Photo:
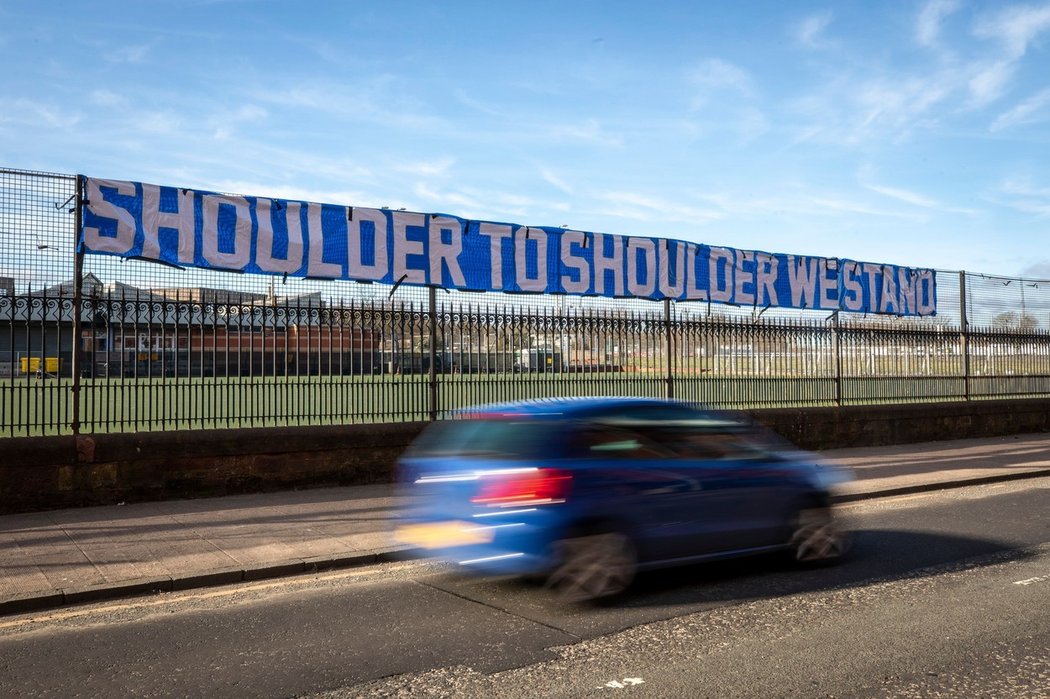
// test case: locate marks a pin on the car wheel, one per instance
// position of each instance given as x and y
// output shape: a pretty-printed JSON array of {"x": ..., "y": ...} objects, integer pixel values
[
  {"x": 593, "y": 566},
  {"x": 817, "y": 536}
]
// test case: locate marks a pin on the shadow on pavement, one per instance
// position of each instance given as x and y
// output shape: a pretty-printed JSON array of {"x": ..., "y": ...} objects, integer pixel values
[{"x": 878, "y": 555}]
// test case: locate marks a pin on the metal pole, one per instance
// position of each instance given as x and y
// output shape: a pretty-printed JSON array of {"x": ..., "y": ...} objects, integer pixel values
[
  {"x": 433, "y": 352},
  {"x": 837, "y": 338},
  {"x": 78, "y": 303},
  {"x": 964, "y": 335},
  {"x": 669, "y": 347}
]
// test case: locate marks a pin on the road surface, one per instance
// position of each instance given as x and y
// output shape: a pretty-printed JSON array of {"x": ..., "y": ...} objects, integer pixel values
[{"x": 945, "y": 594}]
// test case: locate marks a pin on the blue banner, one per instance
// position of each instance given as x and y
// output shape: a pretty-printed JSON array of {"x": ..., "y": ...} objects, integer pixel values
[{"x": 258, "y": 235}]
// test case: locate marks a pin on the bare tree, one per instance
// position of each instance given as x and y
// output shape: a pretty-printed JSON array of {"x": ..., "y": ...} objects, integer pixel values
[{"x": 1013, "y": 319}]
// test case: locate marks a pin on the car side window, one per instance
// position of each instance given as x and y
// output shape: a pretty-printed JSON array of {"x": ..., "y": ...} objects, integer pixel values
[
  {"x": 711, "y": 445},
  {"x": 618, "y": 442}
]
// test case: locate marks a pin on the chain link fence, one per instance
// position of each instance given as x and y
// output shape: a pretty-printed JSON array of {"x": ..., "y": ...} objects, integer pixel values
[{"x": 95, "y": 343}]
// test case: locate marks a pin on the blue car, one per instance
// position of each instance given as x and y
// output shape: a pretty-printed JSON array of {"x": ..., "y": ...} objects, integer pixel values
[{"x": 587, "y": 491}]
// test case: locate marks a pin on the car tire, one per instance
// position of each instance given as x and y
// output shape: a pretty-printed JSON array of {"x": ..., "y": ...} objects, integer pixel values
[
  {"x": 817, "y": 537},
  {"x": 594, "y": 566}
]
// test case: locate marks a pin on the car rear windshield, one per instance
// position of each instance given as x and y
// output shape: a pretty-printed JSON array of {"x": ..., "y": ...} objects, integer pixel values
[{"x": 499, "y": 438}]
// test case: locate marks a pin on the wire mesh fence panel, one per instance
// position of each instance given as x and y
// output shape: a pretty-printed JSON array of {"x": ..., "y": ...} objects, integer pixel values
[
  {"x": 103, "y": 343},
  {"x": 36, "y": 310}
]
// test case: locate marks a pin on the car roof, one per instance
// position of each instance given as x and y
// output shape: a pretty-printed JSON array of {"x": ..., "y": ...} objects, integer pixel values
[{"x": 568, "y": 408}]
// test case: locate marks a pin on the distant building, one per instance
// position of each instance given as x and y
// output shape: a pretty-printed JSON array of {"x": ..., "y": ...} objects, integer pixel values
[{"x": 202, "y": 294}]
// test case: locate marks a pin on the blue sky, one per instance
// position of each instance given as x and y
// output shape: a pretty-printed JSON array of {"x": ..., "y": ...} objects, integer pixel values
[{"x": 913, "y": 133}]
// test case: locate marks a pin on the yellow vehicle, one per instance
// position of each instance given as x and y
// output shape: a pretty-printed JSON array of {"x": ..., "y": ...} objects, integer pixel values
[{"x": 46, "y": 366}]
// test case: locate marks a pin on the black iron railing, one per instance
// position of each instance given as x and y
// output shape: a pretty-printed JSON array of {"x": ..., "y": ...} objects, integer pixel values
[{"x": 96, "y": 344}]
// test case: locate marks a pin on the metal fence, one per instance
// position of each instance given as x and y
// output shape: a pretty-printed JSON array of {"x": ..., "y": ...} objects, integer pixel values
[{"x": 96, "y": 344}]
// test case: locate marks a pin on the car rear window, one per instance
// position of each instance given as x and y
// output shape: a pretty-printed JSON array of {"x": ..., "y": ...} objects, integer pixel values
[{"x": 499, "y": 438}]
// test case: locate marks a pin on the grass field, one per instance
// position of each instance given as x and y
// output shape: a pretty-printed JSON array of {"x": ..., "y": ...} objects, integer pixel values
[{"x": 45, "y": 406}]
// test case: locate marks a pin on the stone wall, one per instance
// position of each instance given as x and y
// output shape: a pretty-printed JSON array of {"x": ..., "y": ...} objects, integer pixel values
[
  {"x": 878, "y": 425},
  {"x": 38, "y": 473},
  {"x": 55, "y": 472}
]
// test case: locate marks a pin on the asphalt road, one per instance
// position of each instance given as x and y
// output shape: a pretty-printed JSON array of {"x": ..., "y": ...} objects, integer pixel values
[{"x": 945, "y": 594}]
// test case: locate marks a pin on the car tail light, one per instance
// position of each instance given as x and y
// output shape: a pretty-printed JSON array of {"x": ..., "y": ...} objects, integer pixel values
[{"x": 523, "y": 487}]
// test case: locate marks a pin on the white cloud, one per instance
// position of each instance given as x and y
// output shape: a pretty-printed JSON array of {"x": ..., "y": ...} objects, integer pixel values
[
  {"x": 644, "y": 207},
  {"x": 426, "y": 168},
  {"x": 588, "y": 131},
  {"x": 225, "y": 122},
  {"x": 159, "y": 122},
  {"x": 1023, "y": 186},
  {"x": 1016, "y": 27},
  {"x": 867, "y": 100},
  {"x": 1037, "y": 270},
  {"x": 903, "y": 195},
  {"x": 718, "y": 74},
  {"x": 475, "y": 204},
  {"x": 293, "y": 192},
  {"x": 931, "y": 17},
  {"x": 916, "y": 199},
  {"x": 810, "y": 31},
  {"x": 127, "y": 54},
  {"x": 752, "y": 124},
  {"x": 866, "y": 175},
  {"x": 31, "y": 111},
  {"x": 479, "y": 106},
  {"x": 374, "y": 101},
  {"x": 107, "y": 98},
  {"x": 555, "y": 180},
  {"x": 1034, "y": 110},
  {"x": 1021, "y": 194},
  {"x": 848, "y": 111},
  {"x": 990, "y": 82}
]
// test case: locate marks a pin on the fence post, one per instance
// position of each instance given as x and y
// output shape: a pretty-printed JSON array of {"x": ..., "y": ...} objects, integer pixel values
[
  {"x": 837, "y": 339},
  {"x": 669, "y": 347},
  {"x": 964, "y": 335},
  {"x": 433, "y": 352},
  {"x": 78, "y": 302}
]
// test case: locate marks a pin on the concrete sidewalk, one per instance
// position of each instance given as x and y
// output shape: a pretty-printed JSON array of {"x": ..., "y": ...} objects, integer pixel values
[{"x": 71, "y": 556}]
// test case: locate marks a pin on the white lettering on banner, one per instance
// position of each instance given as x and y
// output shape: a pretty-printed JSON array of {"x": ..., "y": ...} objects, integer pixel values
[
  {"x": 872, "y": 273},
  {"x": 889, "y": 293},
  {"x": 635, "y": 286},
  {"x": 316, "y": 266},
  {"x": 927, "y": 299},
  {"x": 275, "y": 236},
  {"x": 238, "y": 258},
  {"x": 380, "y": 267},
  {"x": 403, "y": 247},
  {"x": 744, "y": 276},
  {"x": 447, "y": 253},
  {"x": 906, "y": 290},
  {"x": 612, "y": 263},
  {"x": 523, "y": 243},
  {"x": 828, "y": 283},
  {"x": 802, "y": 279},
  {"x": 574, "y": 261},
  {"x": 496, "y": 234},
  {"x": 153, "y": 219},
  {"x": 720, "y": 276},
  {"x": 693, "y": 290},
  {"x": 766, "y": 275},
  {"x": 264, "y": 257},
  {"x": 853, "y": 298},
  {"x": 667, "y": 287},
  {"x": 124, "y": 240}
]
